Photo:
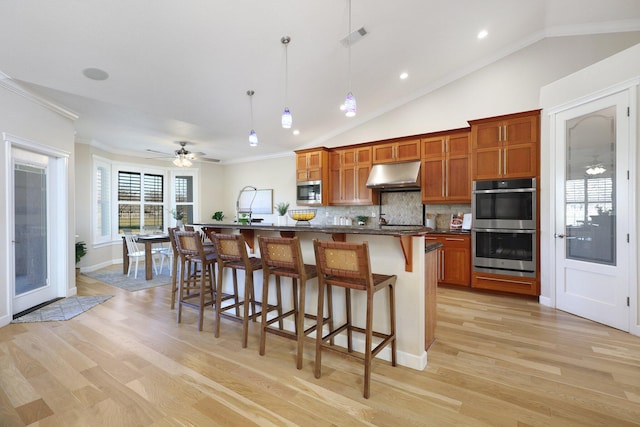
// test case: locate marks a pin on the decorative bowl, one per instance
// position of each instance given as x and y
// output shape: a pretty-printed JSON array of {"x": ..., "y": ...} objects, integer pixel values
[{"x": 302, "y": 216}]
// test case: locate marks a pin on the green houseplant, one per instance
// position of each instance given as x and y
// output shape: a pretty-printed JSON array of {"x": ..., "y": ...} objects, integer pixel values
[
  {"x": 218, "y": 216},
  {"x": 282, "y": 208},
  {"x": 362, "y": 219},
  {"x": 81, "y": 250}
]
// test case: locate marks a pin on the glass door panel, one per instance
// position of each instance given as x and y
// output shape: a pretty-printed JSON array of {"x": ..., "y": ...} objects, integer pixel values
[
  {"x": 590, "y": 199},
  {"x": 31, "y": 244}
]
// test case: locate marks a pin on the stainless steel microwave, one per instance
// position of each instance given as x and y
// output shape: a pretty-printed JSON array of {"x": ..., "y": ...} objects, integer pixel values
[{"x": 309, "y": 193}]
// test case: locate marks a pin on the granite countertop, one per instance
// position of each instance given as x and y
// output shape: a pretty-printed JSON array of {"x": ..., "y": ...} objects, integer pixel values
[
  {"x": 431, "y": 246},
  {"x": 447, "y": 231},
  {"x": 398, "y": 230}
]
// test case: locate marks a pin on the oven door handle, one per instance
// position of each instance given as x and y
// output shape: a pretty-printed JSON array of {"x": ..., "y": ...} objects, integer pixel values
[
  {"x": 503, "y": 230},
  {"x": 505, "y": 190}
]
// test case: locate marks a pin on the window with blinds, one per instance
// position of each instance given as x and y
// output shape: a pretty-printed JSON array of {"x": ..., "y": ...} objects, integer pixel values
[
  {"x": 140, "y": 202},
  {"x": 588, "y": 197}
]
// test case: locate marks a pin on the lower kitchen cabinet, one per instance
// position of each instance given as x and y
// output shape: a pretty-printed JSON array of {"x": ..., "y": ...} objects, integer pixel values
[
  {"x": 502, "y": 283},
  {"x": 454, "y": 258}
]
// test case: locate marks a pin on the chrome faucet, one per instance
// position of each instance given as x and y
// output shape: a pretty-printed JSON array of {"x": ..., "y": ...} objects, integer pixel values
[{"x": 245, "y": 211}]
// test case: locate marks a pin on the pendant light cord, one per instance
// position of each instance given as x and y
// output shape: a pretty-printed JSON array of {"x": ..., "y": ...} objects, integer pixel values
[{"x": 349, "y": 40}]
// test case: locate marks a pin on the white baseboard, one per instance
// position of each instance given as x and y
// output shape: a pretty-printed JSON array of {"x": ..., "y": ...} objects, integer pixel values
[{"x": 545, "y": 301}]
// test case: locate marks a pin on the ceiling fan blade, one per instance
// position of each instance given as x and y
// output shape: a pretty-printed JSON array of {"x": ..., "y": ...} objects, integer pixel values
[
  {"x": 159, "y": 152},
  {"x": 205, "y": 159}
]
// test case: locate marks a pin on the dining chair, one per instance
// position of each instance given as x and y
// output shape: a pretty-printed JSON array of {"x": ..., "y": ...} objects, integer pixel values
[
  {"x": 135, "y": 254},
  {"x": 347, "y": 265}
]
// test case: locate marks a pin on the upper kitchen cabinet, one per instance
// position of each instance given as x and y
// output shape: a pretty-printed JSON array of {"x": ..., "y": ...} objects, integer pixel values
[
  {"x": 349, "y": 170},
  {"x": 312, "y": 164},
  {"x": 446, "y": 168},
  {"x": 398, "y": 151},
  {"x": 506, "y": 146}
]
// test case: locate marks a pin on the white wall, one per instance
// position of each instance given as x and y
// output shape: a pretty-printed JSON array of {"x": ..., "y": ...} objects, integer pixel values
[
  {"x": 27, "y": 120},
  {"x": 615, "y": 70}
]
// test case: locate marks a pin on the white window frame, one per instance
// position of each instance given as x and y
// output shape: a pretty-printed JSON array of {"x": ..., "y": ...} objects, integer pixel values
[
  {"x": 101, "y": 162},
  {"x": 176, "y": 172}
]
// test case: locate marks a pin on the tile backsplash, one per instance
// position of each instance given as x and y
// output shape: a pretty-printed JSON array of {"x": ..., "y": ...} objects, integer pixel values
[{"x": 401, "y": 207}]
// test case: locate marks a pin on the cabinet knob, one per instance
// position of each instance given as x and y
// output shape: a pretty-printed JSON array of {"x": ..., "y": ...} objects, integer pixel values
[{"x": 558, "y": 236}]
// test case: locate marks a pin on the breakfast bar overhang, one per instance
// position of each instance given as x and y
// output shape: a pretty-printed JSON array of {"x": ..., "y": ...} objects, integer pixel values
[{"x": 393, "y": 250}]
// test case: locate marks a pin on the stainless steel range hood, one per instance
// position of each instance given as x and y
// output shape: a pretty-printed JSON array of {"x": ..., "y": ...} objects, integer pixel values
[{"x": 395, "y": 175}]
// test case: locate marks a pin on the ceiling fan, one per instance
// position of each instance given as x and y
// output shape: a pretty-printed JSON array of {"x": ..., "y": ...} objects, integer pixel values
[{"x": 183, "y": 157}]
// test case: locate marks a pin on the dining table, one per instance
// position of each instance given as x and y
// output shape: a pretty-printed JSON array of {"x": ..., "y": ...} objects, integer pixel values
[{"x": 148, "y": 240}]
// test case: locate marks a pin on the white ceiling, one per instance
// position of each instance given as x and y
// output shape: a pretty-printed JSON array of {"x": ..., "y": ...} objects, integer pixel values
[{"x": 181, "y": 70}]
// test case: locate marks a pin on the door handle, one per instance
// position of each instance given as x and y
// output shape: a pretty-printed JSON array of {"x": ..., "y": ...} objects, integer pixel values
[{"x": 558, "y": 236}]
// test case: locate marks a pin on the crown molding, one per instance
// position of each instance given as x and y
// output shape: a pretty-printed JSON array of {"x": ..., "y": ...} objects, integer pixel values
[{"x": 11, "y": 85}]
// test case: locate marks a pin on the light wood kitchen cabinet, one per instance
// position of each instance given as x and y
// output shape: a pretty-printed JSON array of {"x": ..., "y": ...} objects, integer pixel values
[
  {"x": 398, "y": 151},
  {"x": 506, "y": 146},
  {"x": 311, "y": 164},
  {"x": 348, "y": 172},
  {"x": 446, "y": 168},
  {"x": 454, "y": 258}
]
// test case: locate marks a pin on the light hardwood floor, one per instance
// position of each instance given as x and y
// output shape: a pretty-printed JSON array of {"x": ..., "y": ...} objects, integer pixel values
[{"x": 497, "y": 361}]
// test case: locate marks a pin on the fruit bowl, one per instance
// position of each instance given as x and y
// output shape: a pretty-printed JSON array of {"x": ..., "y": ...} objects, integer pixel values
[{"x": 302, "y": 216}]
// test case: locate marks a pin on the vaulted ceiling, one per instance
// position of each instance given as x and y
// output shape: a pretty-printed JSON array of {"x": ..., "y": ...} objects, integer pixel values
[{"x": 180, "y": 70}]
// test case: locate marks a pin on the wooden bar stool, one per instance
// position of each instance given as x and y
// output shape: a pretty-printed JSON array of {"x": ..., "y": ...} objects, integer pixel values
[
  {"x": 347, "y": 265},
  {"x": 231, "y": 252},
  {"x": 282, "y": 257},
  {"x": 174, "y": 268},
  {"x": 197, "y": 278}
]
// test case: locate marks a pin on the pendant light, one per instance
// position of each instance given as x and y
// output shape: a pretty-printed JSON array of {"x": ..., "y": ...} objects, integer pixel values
[
  {"x": 287, "y": 119},
  {"x": 253, "y": 138},
  {"x": 350, "y": 100}
]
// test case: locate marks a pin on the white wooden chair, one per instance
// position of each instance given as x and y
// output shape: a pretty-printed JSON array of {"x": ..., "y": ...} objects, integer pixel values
[{"x": 135, "y": 254}]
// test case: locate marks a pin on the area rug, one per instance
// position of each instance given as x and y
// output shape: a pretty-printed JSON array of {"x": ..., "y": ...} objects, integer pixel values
[
  {"x": 113, "y": 276},
  {"x": 64, "y": 309}
]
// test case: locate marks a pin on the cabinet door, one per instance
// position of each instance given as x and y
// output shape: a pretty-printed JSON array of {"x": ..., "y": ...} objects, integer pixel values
[
  {"x": 487, "y": 163},
  {"x": 456, "y": 262},
  {"x": 458, "y": 179},
  {"x": 383, "y": 153},
  {"x": 348, "y": 187},
  {"x": 433, "y": 176},
  {"x": 407, "y": 150},
  {"x": 301, "y": 167},
  {"x": 487, "y": 135},
  {"x": 521, "y": 130},
  {"x": 520, "y": 161},
  {"x": 315, "y": 160},
  {"x": 366, "y": 196},
  {"x": 334, "y": 177}
]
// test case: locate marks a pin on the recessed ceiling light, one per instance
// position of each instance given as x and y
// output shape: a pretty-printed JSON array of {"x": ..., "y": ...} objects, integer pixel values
[
  {"x": 296, "y": 132},
  {"x": 95, "y": 74},
  {"x": 404, "y": 76},
  {"x": 482, "y": 34}
]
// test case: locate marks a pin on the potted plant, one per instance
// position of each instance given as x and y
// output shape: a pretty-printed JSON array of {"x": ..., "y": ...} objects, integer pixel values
[
  {"x": 282, "y": 208},
  {"x": 178, "y": 215},
  {"x": 81, "y": 250},
  {"x": 362, "y": 219},
  {"x": 218, "y": 216}
]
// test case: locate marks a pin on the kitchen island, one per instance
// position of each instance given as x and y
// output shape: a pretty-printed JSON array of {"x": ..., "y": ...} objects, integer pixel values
[{"x": 396, "y": 250}]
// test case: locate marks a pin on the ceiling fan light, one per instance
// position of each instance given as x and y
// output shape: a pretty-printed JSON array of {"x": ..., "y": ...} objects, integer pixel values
[
  {"x": 186, "y": 162},
  {"x": 177, "y": 162},
  {"x": 595, "y": 170},
  {"x": 253, "y": 138},
  {"x": 287, "y": 119},
  {"x": 350, "y": 105}
]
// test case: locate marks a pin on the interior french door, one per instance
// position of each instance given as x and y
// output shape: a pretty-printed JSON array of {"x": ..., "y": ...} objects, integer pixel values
[
  {"x": 593, "y": 208},
  {"x": 31, "y": 238}
]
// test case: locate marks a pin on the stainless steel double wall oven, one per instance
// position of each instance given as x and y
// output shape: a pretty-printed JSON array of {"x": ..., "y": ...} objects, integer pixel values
[{"x": 504, "y": 227}]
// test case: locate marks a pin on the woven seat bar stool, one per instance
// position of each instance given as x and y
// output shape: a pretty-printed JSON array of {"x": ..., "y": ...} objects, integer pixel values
[
  {"x": 282, "y": 257},
  {"x": 347, "y": 265},
  {"x": 197, "y": 278},
  {"x": 231, "y": 251},
  {"x": 174, "y": 268}
]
